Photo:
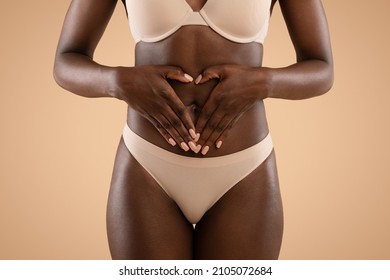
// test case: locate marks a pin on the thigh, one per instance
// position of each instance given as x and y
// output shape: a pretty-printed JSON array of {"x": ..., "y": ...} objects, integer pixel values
[
  {"x": 142, "y": 221},
  {"x": 247, "y": 222}
]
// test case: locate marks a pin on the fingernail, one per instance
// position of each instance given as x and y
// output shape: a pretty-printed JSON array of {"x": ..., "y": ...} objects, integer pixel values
[
  {"x": 184, "y": 146},
  {"x": 195, "y": 148},
  {"x": 188, "y": 77},
  {"x": 219, "y": 144},
  {"x": 197, "y": 137},
  {"x": 192, "y": 146},
  {"x": 192, "y": 133},
  {"x": 198, "y": 79},
  {"x": 172, "y": 142},
  {"x": 205, "y": 150}
]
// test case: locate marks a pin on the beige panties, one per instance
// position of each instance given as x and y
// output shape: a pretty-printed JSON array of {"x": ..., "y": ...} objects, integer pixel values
[{"x": 195, "y": 184}]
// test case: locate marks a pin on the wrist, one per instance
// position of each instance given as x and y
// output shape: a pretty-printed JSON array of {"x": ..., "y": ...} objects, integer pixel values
[
  {"x": 115, "y": 85},
  {"x": 265, "y": 82}
]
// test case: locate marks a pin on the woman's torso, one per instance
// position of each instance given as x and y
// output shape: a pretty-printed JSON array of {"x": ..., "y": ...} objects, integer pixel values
[{"x": 194, "y": 48}]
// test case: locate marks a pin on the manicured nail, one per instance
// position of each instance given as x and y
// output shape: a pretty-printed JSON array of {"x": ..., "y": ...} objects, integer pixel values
[
  {"x": 172, "y": 142},
  {"x": 205, "y": 150},
  {"x": 192, "y": 133},
  {"x": 198, "y": 149},
  {"x": 198, "y": 79},
  {"x": 184, "y": 146},
  {"x": 192, "y": 146},
  {"x": 197, "y": 137},
  {"x": 188, "y": 77},
  {"x": 219, "y": 144}
]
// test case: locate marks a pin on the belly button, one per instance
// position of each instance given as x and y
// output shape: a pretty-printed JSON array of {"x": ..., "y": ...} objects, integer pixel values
[
  {"x": 194, "y": 108},
  {"x": 194, "y": 111}
]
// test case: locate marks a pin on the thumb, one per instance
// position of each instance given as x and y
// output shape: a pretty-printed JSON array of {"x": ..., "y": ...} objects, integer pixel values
[
  {"x": 210, "y": 73},
  {"x": 175, "y": 73}
]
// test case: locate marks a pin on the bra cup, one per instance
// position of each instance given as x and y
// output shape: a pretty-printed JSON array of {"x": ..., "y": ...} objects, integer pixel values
[
  {"x": 152, "y": 20},
  {"x": 238, "y": 20},
  {"x": 241, "y": 21}
]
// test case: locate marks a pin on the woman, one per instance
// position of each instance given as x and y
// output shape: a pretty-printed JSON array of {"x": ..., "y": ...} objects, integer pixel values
[{"x": 196, "y": 147}]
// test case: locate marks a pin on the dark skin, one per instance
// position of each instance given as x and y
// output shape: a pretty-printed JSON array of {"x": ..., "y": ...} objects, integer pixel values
[{"x": 195, "y": 93}]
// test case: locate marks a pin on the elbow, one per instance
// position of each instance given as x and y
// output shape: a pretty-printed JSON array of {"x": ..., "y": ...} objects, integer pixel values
[
  {"x": 328, "y": 79},
  {"x": 320, "y": 72},
  {"x": 58, "y": 74},
  {"x": 325, "y": 77}
]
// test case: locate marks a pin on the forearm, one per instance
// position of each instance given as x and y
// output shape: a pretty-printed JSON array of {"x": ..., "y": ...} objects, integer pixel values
[
  {"x": 302, "y": 80},
  {"x": 312, "y": 75},
  {"x": 81, "y": 75}
]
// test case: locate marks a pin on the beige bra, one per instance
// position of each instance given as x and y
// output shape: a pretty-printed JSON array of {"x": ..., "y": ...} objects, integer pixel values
[{"x": 240, "y": 21}]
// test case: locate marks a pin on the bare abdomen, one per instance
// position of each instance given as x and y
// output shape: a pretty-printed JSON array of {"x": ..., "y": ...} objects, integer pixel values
[{"x": 194, "y": 48}]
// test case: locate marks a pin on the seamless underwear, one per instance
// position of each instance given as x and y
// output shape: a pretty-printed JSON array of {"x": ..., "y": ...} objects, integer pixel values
[
  {"x": 195, "y": 184},
  {"x": 241, "y": 21}
]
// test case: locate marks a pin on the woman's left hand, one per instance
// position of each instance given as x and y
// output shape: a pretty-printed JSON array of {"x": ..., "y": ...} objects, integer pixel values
[{"x": 238, "y": 89}]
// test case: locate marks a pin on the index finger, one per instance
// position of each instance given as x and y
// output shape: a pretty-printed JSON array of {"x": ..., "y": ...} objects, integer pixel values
[{"x": 181, "y": 120}]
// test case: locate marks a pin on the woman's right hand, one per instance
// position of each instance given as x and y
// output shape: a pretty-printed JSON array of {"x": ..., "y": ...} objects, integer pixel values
[{"x": 146, "y": 90}]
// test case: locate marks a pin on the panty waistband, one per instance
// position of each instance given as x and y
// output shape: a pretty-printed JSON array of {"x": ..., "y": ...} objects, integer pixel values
[{"x": 263, "y": 148}]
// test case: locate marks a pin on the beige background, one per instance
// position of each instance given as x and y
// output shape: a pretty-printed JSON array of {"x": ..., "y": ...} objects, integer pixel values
[{"x": 57, "y": 149}]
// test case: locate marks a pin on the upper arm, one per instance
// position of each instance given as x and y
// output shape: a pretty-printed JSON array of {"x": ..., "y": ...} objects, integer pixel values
[
  {"x": 84, "y": 25},
  {"x": 308, "y": 29}
]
